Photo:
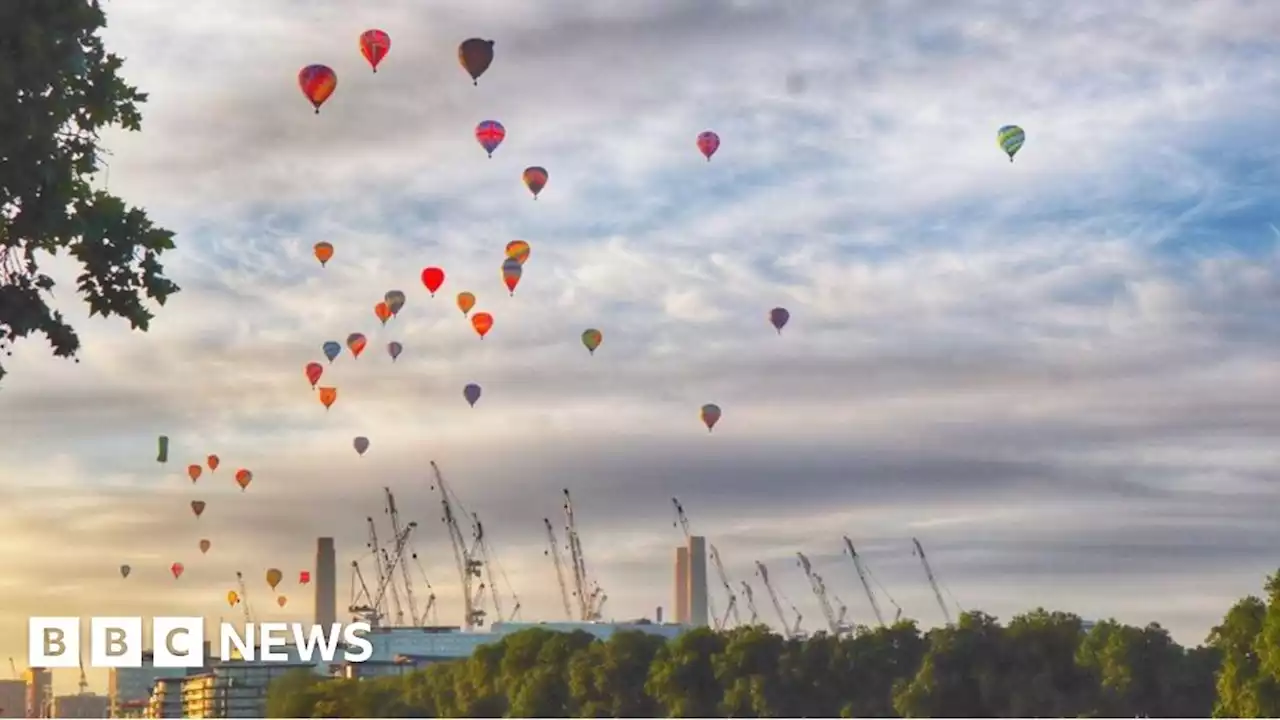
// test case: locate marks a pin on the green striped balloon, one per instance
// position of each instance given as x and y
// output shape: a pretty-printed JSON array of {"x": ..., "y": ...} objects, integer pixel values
[{"x": 1011, "y": 138}]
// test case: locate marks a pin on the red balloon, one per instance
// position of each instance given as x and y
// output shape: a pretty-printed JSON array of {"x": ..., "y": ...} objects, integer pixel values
[
  {"x": 432, "y": 278},
  {"x": 374, "y": 46},
  {"x": 708, "y": 143},
  {"x": 317, "y": 82},
  {"x": 176, "y": 569},
  {"x": 314, "y": 371}
]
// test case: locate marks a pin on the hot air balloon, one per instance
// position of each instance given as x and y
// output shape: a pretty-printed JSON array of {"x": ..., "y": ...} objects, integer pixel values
[
  {"x": 323, "y": 252},
  {"x": 710, "y": 415},
  {"x": 162, "y": 454},
  {"x": 535, "y": 178},
  {"x": 274, "y": 577},
  {"x": 233, "y": 597},
  {"x": 243, "y": 478},
  {"x": 395, "y": 301},
  {"x": 361, "y": 444},
  {"x": 778, "y": 317},
  {"x": 176, "y": 569},
  {"x": 193, "y": 472},
  {"x": 490, "y": 134},
  {"x": 304, "y": 577},
  {"x": 332, "y": 350},
  {"x": 432, "y": 279},
  {"x": 204, "y": 546},
  {"x": 213, "y": 462},
  {"x": 471, "y": 393},
  {"x": 125, "y": 570},
  {"x": 197, "y": 507},
  {"x": 374, "y": 46},
  {"x": 483, "y": 323},
  {"x": 708, "y": 143},
  {"x": 466, "y": 301},
  {"x": 1011, "y": 138},
  {"x": 592, "y": 339},
  {"x": 519, "y": 250},
  {"x": 328, "y": 395},
  {"x": 382, "y": 312},
  {"x": 317, "y": 82},
  {"x": 313, "y": 371},
  {"x": 356, "y": 343},
  {"x": 394, "y": 349},
  {"x": 511, "y": 272},
  {"x": 282, "y": 601},
  {"x": 475, "y": 55}
]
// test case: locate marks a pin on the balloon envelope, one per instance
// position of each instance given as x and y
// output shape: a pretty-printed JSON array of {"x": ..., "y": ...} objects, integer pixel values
[
  {"x": 383, "y": 312},
  {"x": 519, "y": 250},
  {"x": 432, "y": 279},
  {"x": 490, "y": 135},
  {"x": 313, "y": 371},
  {"x": 193, "y": 472},
  {"x": 511, "y": 272},
  {"x": 317, "y": 83},
  {"x": 304, "y": 577},
  {"x": 361, "y": 444},
  {"x": 1011, "y": 138},
  {"x": 394, "y": 349},
  {"x": 213, "y": 462},
  {"x": 282, "y": 601},
  {"x": 592, "y": 338},
  {"x": 197, "y": 507},
  {"x": 205, "y": 545},
  {"x": 274, "y": 577},
  {"x": 243, "y": 478},
  {"x": 466, "y": 301},
  {"x": 708, "y": 143},
  {"x": 374, "y": 46},
  {"x": 356, "y": 343},
  {"x": 710, "y": 415},
  {"x": 778, "y": 317},
  {"x": 535, "y": 178},
  {"x": 177, "y": 570},
  {"x": 332, "y": 350},
  {"x": 483, "y": 323},
  {"x": 233, "y": 597},
  {"x": 328, "y": 395},
  {"x": 323, "y": 252},
  {"x": 394, "y": 300},
  {"x": 475, "y": 56},
  {"x": 472, "y": 393},
  {"x": 125, "y": 570}
]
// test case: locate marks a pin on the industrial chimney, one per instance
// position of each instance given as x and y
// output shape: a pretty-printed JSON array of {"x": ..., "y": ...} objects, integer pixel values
[{"x": 326, "y": 582}]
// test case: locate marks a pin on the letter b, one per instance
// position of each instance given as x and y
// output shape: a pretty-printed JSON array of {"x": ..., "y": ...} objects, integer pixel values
[
  {"x": 53, "y": 642},
  {"x": 115, "y": 642}
]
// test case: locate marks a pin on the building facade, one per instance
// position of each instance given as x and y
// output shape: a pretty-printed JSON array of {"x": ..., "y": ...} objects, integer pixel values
[
  {"x": 87, "y": 705},
  {"x": 681, "y": 596},
  {"x": 39, "y": 686},
  {"x": 13, "y": 699},
  {"x": 697, "y": 582}
]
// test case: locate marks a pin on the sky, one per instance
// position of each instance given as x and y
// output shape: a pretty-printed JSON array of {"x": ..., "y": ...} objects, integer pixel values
[{"x": 1059, "y": 373}]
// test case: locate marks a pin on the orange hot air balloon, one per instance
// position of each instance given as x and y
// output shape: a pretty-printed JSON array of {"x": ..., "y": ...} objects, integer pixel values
[
  {"x": 323, "y": 252},
  {"x": 193, "y": 472},
  {"x": 176, "y": 569},
  {"x": 356, "y": 343},
  {"x": 213, "y": 461},
  {"x": 317, "y": 83},
  {"x": 483, "y": 323},
  {"x": 282, "y": 601},
  {"x": 432, "y": 279},
  {"x": 204, "y": 546},
  {"x": 274, "y": 576},
  {"x": 466, "y": 301},
  {"x": 374, "y": 46},
  {"x": 383, "y": 312},
  {"x": 313, "y": 372},
  {"x": 518, "y": 250},
  {"x": 197, "y": 507},
  {"x": 328, "y": 395},
  {"x": 243, "y": 478}
]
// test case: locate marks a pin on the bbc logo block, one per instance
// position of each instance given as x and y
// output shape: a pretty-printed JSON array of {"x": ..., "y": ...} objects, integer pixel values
[{"x": 57, "y": 642}]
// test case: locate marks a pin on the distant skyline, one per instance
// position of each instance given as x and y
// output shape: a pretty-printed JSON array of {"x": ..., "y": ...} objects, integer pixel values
[{"x": 1060, "y": 374}]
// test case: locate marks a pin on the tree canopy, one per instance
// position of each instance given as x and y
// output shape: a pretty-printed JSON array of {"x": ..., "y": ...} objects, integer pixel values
[
  {"x": 59, "y": 88},
  {"x": 1040, "y": 664}
]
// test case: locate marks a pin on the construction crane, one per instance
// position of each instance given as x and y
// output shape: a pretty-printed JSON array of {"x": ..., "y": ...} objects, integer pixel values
[
  {"x": 402, "y": 537},
  {"x": 731, "y": 610},
  {"x": 83, "y": 683},
  {"x": 553, "y": 551},
  {"x": 842, "y": 612},
  {"x": 763, "y": 573},
  {"x": 933, "y": 581},
  {"x": 590, "y": 601},
  {"x": 491, "y": 579},
  {"x": 379, "y": 561},
  {"x": 429, "y": 615},
  {"x": 372, "y": 611},
  {"x": 469, "y": 568},
  {"x": 244, "y": 598},
  {"x": 751, "y": 602},
  {"x": 864, "y": 573},
  {"x": 820, "y": 592}
]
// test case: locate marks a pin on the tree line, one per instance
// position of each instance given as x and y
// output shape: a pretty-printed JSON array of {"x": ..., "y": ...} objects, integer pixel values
[{"x": 1040, "y": 664}]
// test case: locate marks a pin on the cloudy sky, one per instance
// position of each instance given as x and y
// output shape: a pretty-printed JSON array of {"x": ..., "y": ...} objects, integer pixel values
[{"x": 1060, "y": 374}]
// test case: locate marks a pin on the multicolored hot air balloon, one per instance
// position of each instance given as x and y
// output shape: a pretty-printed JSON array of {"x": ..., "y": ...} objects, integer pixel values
[
  {"x": 176, "y": 569},
  {"x": 304, "y": 577},
  {"x": 361, "y": 444},
  {"x": 432, "y": 279},
  {"x": 382, "y": 312},
  {"x": 395, "y": 301},
  {"x": 332, "y": 349},
  {"x": 204, "y": 546},
  {"x": 356, "y": 343},
  {"x": 282, "y": 601},
  {"x": 162, "y": 454},
  {"x": 317, "y": 83},
  {"x": 535, "y": 178},
  {"x": 708, "y": 143},
  {"x": 518, "y": 250},
  {"x": 483, "y": 323},
  {"x": 394, "y": 349},
  {"x": 710, "y": 415},
  {"x": 328, "y": 395},
  {"x": 778, "y": 317},
  {"x": 233, "y": 597},
  {"x": 490, "y": 135},
  {"x": 243, "y": 478},
  {"x": 511, "y": 272},
  {"x": 1011, "y": 138},
  {"x": 193, "y": 472},
  {"x": 197, "y": 507},
  {"x": 374, "y": 46},
  {"x": 476, "y": 56},
  {"x": 213, "y": 462},
  {"x": 471, "y": 393},
  {"x": 124, "y": 571},
  {"x": 313, "y": 371},
  {"x": 592, "y": 338},
  {"x": 466, "y": 301},
  {"x": 274, "y": 576},
  {"x": 323, "y": 252}
]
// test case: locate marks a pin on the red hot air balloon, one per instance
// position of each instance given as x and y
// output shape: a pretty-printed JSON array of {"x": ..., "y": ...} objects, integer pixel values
[
  {"x": 535, "y": 178},
  {"x": 483, "y": 323},
  {"x": 317, "y": 82},
  {"x": 314, "y": 370},
  {"x": 490, "y": 135},
  {"x": 708, "y": 143},
  {"x": 432, "y": 279},
  {"x": 176, "y": 569},
  {"x": 304, "y": 577},
  {"x": 374, "y": 46}
]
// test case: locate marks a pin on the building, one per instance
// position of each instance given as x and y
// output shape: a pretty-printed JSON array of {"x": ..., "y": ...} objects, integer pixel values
[
  {"x": 39, "y": 687},
  {"x": 682, "y": 585},
  {"x": 326, "y": 582},
  {"x": 86, "y": 705},
  {"x": 166, "y": 699},
  {"x": 129, "y": 690},
  {"x": 233, "y": 690},
  {"x": 13, "y": 699},
  {"x": 697, "y": 582}
]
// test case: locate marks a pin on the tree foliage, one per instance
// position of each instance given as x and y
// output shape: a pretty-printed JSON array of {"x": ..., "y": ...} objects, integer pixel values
[
  {"x": 1041, "y": 664},
  {"x": 59, "y": 88}
]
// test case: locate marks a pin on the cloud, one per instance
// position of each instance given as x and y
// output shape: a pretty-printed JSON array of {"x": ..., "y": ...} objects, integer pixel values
[{"x": 1055, "y": 373}]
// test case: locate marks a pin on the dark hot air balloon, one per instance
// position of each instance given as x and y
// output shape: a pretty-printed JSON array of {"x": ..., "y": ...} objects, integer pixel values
[
  {"x": 361, "y": 445},
  {"x": 332, "y": 350},
  {"x": 535, "y": 178},
  {"x": 471, "y": 393},
  {"x": 778, "y": 317},
  {"x": 710, "y": 415},
  {"x": 476, "y": 56}
]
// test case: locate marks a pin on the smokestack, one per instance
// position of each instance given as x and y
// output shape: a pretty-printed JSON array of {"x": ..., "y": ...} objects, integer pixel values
[
  {"x": 682, "y": 586},
  {"x": 326, "y": 582},
  {"x": 657, "y": 615},
  {"x": 698, "y": 581}
]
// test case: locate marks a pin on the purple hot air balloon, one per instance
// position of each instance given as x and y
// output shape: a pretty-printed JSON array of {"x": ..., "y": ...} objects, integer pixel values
[
  {"x": 361, "y": 445},
  {"x": 472, "y": 393},
  {"x": 394, "y": 349},
  {"x": 778, "y": 317}
]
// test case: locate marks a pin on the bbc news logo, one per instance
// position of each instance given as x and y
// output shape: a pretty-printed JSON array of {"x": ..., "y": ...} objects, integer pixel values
[{"x": 178, "y": 642}]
